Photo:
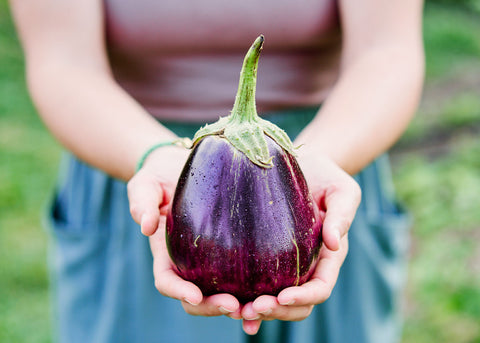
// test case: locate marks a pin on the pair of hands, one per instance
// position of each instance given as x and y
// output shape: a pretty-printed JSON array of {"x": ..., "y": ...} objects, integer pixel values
[{"x": 150, "y": 193}]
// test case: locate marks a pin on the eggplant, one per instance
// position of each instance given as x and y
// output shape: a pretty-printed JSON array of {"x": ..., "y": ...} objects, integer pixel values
[{"x": 242, "y": 219}]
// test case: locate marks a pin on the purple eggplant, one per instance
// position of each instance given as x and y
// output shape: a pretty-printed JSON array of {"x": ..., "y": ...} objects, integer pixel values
[{"x": 242, "y": 219}]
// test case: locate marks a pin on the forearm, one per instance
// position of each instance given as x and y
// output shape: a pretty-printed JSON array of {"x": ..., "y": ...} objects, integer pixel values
[
  {"x": 93, "y": 117},
  {"x": 368, "y": 109}
]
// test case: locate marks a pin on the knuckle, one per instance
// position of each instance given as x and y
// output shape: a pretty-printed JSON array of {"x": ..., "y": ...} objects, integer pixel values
[
  {"x": 324, "y": 296},
  {"x": 308, "y": 311},
  {"x": 328, "y": 293},
  {"x": 131, "y": 186},
  {"x": 299, "y": 314},
  {"x": 135, "y": 212},
  {"x": 158, "y": 286},
  {"x": 331, "y": 189},
  {"x": 282, "y": 315},
  {"x": 357, "y": 192},
  {"x": 323, "y": 293},
  {"x": 344, "y": 224},
  {"x": 189, "y": 309}
]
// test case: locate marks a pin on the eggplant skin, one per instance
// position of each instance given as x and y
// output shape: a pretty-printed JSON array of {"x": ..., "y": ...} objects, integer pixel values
[{"x": 238, "y": 228}]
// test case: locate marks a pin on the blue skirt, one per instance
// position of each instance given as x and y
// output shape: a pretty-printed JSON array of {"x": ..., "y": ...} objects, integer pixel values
[{"x": 102, "y": 280}]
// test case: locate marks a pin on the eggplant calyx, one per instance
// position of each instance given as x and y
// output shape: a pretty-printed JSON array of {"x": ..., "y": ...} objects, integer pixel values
[
  {"x": 215, "y": 129},
  {"x": 243, "y": 128}
]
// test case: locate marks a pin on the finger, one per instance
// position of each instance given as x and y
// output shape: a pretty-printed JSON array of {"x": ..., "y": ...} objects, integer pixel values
[
  {"x": 251, "y": 327},
  {"x": 167, "y": 281},
  {"x": 248, "y": 313},
  {"x": 215, "y": 305},
  {"x": 237, "y": 314},
  {"x": 149, "y": 222},
  {"x": 341, "y": 204},
  {"x": 319, "y": 288},
  {"x": 264, "y": 305},
  {"x": 145, "y": 198},
  {"x": 171, "y": 285},
  {"x": 269, "y": 309}
]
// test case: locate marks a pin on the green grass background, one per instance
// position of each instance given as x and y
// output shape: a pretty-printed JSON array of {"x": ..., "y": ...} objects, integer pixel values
[{"x": 436, "y": 169}]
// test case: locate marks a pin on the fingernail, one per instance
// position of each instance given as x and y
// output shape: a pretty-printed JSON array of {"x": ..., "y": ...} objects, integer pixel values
[
  {"x": 266, "y": 312},
  {"x": 190, "y": 302},
  {"x": 254, "y": 318},
  {"x": 291, "y": 302},
  {"x": 235, "y": 316},
  {"x": 224, "y": 310}
]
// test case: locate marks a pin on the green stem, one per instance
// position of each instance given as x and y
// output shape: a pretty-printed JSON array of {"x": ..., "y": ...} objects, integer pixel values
[
  {"x": 243, "y": 128},
  {"x": 244, "y": 108}
]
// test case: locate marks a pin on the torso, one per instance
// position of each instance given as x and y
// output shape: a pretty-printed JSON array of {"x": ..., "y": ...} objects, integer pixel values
[{"x": 181, "y": 59}]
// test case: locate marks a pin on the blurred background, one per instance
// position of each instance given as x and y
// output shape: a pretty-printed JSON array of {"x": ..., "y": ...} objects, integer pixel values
[{"x": 436, "y": 167}]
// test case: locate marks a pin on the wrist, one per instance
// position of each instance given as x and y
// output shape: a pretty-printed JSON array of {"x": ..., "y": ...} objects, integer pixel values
[
  {"x": 180, "y": 142},
  {"x": 165, "y": 164}
]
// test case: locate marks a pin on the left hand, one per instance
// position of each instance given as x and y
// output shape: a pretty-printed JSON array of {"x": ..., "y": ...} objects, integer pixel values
[{"x": 338, "y": 196}]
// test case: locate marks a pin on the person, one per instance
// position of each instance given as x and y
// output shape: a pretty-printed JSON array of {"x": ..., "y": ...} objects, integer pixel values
[{"x": 113, "y": 78}]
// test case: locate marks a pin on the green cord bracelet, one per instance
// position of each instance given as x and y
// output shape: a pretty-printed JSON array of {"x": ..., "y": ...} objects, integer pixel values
[{"x": 184, "y": 142}]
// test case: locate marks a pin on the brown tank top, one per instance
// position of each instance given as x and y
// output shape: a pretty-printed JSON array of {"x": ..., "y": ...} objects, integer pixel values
[{"x": 181, "y": 59}]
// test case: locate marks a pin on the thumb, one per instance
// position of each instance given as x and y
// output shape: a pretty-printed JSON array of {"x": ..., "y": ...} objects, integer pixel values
[{"x": 341, "y": 204}]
